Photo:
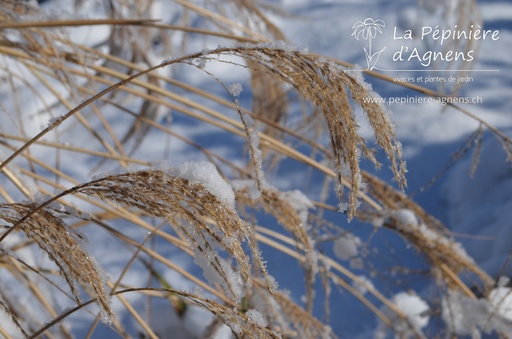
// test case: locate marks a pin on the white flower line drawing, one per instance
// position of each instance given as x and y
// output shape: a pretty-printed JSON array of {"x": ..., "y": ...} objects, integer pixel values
[{"x": 368, "y": 30}]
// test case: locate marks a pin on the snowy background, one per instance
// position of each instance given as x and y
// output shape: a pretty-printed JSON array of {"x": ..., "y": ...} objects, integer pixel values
[{"x": 476, "y": 209}]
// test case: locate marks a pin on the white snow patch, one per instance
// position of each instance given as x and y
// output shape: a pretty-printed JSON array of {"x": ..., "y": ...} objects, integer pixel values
[
  {"x": 501, "y": 300},
  {"x": 465, "y": 316},
  {"x": 416, "y": 311},
  {"x": 250, "y": 185},
  {"x": 503, "y": 281},
  {"x": 378, "y": 222},
  {"x": 347, "y": 246},
  {"x": 224, "y": 332},
  {"x": 272, "y": 282},
  {"x": 363, "y": 284},
  {"x": 206, "y": 174},
  {"x": 414, "y": 307},
  {"x": 405, "y": 219}
]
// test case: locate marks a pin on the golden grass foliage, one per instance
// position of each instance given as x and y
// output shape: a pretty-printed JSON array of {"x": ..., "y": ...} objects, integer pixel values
[
  {"x": 84, "y": 92},
  {"x": 62, "y": 245}
]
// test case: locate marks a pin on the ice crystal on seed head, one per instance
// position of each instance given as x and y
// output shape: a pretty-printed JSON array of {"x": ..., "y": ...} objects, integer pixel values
[
  {"x": 235, "y": 89},
  {"x": 257, "y": 318},
  {"x": 167, "y": 60},
  {"x": 201, "y": 62}
]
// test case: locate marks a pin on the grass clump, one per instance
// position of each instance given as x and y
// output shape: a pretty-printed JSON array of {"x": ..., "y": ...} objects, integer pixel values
[{"x": 105, "y": 105}]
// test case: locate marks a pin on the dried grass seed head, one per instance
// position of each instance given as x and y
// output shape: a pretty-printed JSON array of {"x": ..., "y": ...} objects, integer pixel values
[
  {"x": 333, "y": 91},
  {"x": 64, "y": 247}
]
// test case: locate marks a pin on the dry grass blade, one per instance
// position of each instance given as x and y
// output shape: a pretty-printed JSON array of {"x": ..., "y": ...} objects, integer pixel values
[
  {"x": 291, "y": 320},
  {"x": 269, "y": 98},
  {"x": 473, "y": 142},
  {"x": 253, "y": 15},
  {"x": 502, "y": 137},
  {"x": 269, "y": 101},
  {"x": 242, "y": 325},
  {"x": 428, "y": 235},
  {"x": 22, "y": 271},
  {"x": 76, "y": 22},
  {"x": 290, "y": 210},
  {"x": 13, "y": 7},
  {"x": 62, "y": 245},
  {"x": 337, "y": 279},
  {"x": 9, "y": 309},
  {"x": 477, "y": 142}
]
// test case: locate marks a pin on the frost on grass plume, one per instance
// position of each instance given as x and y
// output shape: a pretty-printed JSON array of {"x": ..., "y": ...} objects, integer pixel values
[
  {"x": 254, "y": 144},
  {"x": 256, "y": 317},
  {"x": 299, "y": 202},
  {"x": 201, "y": 62},
  {"x": 346, "y": 172},
  {"x": 232, "y": 285}
]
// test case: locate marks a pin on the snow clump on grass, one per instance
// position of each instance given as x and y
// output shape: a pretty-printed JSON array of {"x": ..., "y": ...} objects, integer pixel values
[
  {"x": 206, "y": 174},
  {"x": 416, "y": 312},
  {"x": 347, "y": 246},
  {"x": 363, "y": 284}
]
